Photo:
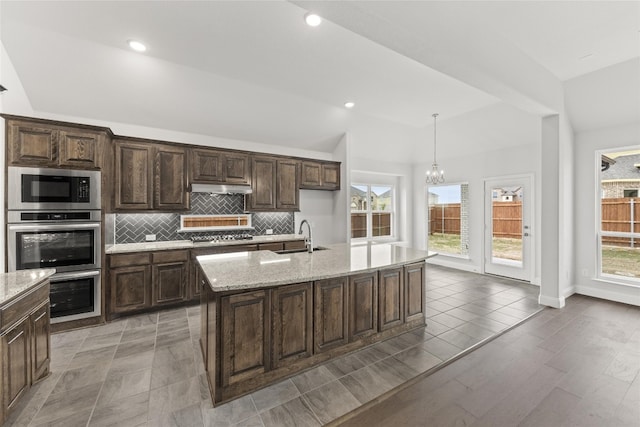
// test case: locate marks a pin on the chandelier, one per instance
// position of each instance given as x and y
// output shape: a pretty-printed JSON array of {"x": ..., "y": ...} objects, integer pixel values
[{"x": 435, "y": 176}]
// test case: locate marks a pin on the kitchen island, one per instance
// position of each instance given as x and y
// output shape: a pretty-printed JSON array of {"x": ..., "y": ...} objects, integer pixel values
[
  {"x": 267, "y": 316},
  {"x": 24, "y": 333}
]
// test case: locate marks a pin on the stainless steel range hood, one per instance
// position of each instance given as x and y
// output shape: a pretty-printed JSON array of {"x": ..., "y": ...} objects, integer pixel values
[{"x": 221, "y": 189}]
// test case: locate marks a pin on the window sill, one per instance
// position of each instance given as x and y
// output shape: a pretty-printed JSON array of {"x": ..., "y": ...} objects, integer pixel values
[{"x": 614, "y": 280}]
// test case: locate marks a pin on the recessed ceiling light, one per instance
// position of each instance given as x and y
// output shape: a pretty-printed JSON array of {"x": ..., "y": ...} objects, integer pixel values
[
  {"x": 349, "y": 104},
  {"x": 312, "y": 19},
  {"x": 136, "y": 45}
]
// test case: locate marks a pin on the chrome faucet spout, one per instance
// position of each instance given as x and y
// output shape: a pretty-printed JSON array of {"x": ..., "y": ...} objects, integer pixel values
[{"x": 308, "y": 242}]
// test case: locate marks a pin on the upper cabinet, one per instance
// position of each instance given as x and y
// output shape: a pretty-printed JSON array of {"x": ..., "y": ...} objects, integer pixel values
[
  {"x": 219, "y": 166},
  {"x": 320, "y": 175},
  {"x": 150, "y": 176},
  {"x": 40, "y": 143},
  {"x": 275, "y": 183}
]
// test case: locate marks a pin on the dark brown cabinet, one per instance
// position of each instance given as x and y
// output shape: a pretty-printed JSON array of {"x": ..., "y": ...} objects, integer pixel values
[
  {"x": 143, "y": 280},
  {"x": 275, "y": 246},
  {"x": 320, "y": 175},
  {"x": 15, "y": 364},
  {"x": 245, "y": 344},
  {"x": 219, "y": 166},
  {"x": 292, "y": 319},
  {"x": 39, "y": 144},
  {"x": 169, "y": 277},
  {"x": 150, "y": 177},
  {"x": 414, "y": 291},
  {"x": 331, "y": 317},
  {"x": 363, "y": 305},
  {"x": 25, "y": 345},
  {"x": 390, "y": 298},
  {"x": 275, "y": 184},
  {"x": 40, "y": 342}
]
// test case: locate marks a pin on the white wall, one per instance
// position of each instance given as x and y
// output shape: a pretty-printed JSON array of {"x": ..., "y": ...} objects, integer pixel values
[
  {"x": 513, "y": 161},
  {"x": 585, "y": 207}
]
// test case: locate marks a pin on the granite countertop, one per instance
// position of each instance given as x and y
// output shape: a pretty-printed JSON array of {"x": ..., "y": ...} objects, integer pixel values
[
  {"x": 261, "y": 269},
  {"x": 16, "y": 283},
  {"x": 188, "y": 244}
]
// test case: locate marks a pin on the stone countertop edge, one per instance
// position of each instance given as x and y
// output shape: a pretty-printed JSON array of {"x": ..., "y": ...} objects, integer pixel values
[
  {"x": 17, "y": 283},
  {"x": 121, "y": 248},
  {"x": 265, "y": 269}
]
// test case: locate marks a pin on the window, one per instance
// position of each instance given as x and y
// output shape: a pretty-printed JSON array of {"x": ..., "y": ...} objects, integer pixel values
[
  {"x": 619, "y": 219},
  {"x": 448, "y": 212},
  {"x": 372, "y": 211}
]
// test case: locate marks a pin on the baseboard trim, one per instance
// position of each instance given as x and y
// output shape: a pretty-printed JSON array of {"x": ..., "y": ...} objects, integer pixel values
[
  {"x": 551, "y": 301},
  {"x": 607, "y": 295},
  {"x": 452, "y": 264}
]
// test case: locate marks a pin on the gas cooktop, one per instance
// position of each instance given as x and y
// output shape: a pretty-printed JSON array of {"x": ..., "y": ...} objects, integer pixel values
[{"x": 220, "y": 237}]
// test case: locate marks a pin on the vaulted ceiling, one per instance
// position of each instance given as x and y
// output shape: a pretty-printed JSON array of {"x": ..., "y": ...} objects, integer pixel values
[{"x": 255, "y": 71}]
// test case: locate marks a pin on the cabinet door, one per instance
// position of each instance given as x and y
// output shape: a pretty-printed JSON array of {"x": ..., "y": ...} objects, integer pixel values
[
  {"x": 78, "y": 149},
  {"x": 292, "y": 323},
  {"x": 363, "y": 310},
  {"x": 15, "y": 364},
  {"x": 391, "y": 298},
  {"x": 245, "y": 344},
  {"x": 310, "y": 175},
  {"x": 170, "y": 178},
  {"x": 331, "y": 176},
  {"x": 40, "y": 342},
  {"x": 236, "y": 168},
  {"x": 274, "y": 246},
  {"x": 169, "y": 283},
  {"x": 207, "y": 166},
  {"x": 414, "y": 284},
  {"x": 133, "y": 176},
  {"x": 31, "y": 145},
  {"x": 288, "y": 191},
  {"x": 263, "y": 183},
  {"x": 331, "y": 314},
  {"x": 130, "y": 288}
]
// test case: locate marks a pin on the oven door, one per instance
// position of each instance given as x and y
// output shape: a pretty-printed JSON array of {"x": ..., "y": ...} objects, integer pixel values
[
  {"x": 75, "y": 295},
  {"x": 65, "y": 247}
]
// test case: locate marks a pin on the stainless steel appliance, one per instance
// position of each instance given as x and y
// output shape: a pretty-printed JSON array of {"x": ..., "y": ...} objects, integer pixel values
[
  {"x": 54, "y": 221},
  {"x": 52, "y": 189},
  {"x": 68, "y": 241}
]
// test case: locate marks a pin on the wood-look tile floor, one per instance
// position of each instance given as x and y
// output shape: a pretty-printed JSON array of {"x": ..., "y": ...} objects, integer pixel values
[{"x": 148, "y": 371}]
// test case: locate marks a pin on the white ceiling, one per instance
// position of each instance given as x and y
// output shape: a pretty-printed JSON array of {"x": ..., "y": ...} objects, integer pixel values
[{"x": 254, "y": 71}]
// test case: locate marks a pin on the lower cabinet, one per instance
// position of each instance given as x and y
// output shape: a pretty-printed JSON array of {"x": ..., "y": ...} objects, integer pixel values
[
  {"x": 414, "y": 291},
  {"x": 363, "y": 305},
  {"x": 292, "y": 320},
  {"x": 140, "y": 281},
  {"x": 391, "y": 298},
  {"x": 25, "y": 346},
  {"x": 331, "y": 315},
  {"x": 245, "y": 340}
]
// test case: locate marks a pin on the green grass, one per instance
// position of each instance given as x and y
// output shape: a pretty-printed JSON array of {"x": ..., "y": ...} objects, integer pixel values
[
  {"x": 621, "y": 261},
  {"x": 447, "y": 243}
]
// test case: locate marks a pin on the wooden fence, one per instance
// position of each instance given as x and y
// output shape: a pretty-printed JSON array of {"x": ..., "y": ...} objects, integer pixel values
[
  {"x": 507, "y": 219},
  {"x": 619, "y": 214},
  {"x": 623, "y": 215}
]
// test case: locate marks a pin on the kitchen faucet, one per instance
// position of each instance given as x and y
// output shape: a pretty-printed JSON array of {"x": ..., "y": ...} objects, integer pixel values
[{"x": 308, "y": 242}]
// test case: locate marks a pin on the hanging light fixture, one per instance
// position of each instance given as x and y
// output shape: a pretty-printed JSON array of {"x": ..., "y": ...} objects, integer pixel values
[{"x": 435, "y": 176}]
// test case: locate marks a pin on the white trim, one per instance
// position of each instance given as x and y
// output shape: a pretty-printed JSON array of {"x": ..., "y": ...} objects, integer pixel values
[
  {"x": 448, "y": 263},
  {"x": 607, "y": 294},
  {"x": 551, "y": 301}
]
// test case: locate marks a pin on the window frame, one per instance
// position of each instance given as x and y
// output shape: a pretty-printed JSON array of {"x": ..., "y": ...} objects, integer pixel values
[
  {"x": 428, "y": 219},
  {"x": 369, "y": 212},
  {"x": 600, "y": 233}
]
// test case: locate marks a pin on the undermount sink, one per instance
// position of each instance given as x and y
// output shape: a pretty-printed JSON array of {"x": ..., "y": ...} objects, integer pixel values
[{"x": 295, "y": 251}]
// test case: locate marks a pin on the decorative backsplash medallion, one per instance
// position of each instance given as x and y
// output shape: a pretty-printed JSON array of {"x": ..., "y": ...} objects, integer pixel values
[{"x": 132, "y": 228}]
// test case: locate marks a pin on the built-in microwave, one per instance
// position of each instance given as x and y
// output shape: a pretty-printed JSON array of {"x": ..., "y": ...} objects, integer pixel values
[{"x": 39, "y": 188}]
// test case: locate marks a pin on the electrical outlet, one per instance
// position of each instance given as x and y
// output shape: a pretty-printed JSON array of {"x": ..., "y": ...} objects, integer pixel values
[
  {"x": 269, "y": 231},
  {"x": 585, "y": 272},
  {"x": 150, "y": 237}
]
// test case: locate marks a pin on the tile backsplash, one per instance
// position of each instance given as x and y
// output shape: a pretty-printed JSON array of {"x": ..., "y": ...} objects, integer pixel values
[{"x": 132, "y": 228}]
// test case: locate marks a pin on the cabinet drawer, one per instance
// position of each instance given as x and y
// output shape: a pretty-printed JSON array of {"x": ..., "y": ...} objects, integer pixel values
[
  {"x": 170, "y": 256},
  {"x": 295, "y": 244},
  {"x": 23, "y": 305},
  {"x": 275, "y": 246},
  {"x": 125, "y": 260}
]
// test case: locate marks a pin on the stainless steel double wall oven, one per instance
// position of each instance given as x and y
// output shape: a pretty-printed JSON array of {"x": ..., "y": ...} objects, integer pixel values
[{"x": 54, "y": 221}]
